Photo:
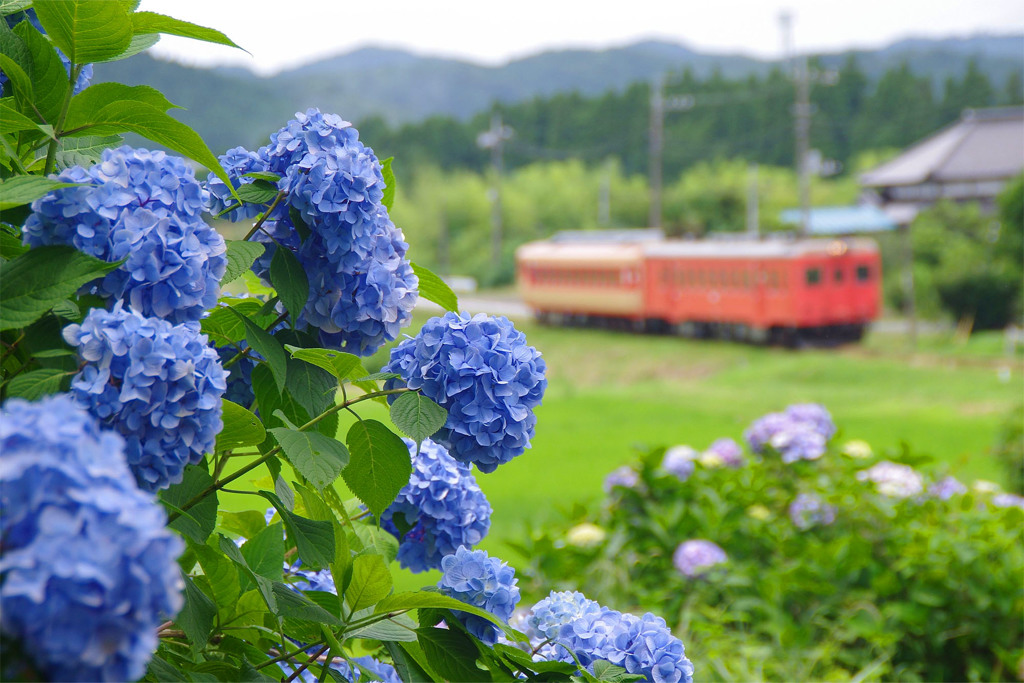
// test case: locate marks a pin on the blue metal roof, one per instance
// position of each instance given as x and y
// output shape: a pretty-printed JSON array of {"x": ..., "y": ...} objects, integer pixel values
[{"x": 842, "y": 220}]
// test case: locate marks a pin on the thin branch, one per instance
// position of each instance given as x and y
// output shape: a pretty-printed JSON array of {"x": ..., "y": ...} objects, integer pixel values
[
  {"x": 266, "y": 214},
  {"x": 309, "y": 661}
]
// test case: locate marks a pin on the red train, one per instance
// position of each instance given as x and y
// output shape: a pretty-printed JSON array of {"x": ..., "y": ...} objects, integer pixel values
[{"x": 773, "y": 290}]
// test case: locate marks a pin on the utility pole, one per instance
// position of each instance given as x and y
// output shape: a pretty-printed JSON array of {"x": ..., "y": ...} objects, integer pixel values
[
  {"x": 494, "y": 140},
  {"x": 659, "y": 105},
  {"x": 753, "y": 209},
  {"x": 604, "y": 197},
  {"x": 801, "y": 119}
]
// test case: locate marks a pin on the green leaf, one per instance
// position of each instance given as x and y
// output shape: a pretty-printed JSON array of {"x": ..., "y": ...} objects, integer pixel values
[
  {"x": 11, "y": 6},
  {"x": 49, "y": 80},
  {"x": 298, "y": 606},
  {"x": 371, "y": 582},
  {"x": 84, "y": 151},
  {"x": 151, "y": 22},
  {"x": 86, "y": 106},
  {"x": 224, "y": 327},
  {"x": 340, "y": 364},
  {"x": 268, "y": 347},
  {"x": 11, "y": 246},
  {"x": 379, "y": 376},
  {"x": 24, "y": 189},
  {"x": 246, "y": 523},
  {"x": 376, "y": 539},
  {"x": 318, "y": 458},
  {"x": 313, "y": 539},
  {"x": 160, "y": 670},
  {"x": 259, "y": 192},
  {"x": 41, "y": 278},
  {"x": 200, "y": 519},
  {"x": 139, "y": 43},
  {"x": 241, "y": 255},
  {"x": 606, "y": 671},
  {"x": 221, "y": 573},
  {"x": 262, "y": 175},
  {"x": 433, "y": 288},
  {"x": 36, "y": 384},
  {"x": 13, "y": 121},
  {"x": 451, "y": 653},
  {"x": 410, "y": 662},
  {"x": 389, "y": 183},
  {"x": 241, "y": 428},
  {"x": 379, "y": 465},
  {"x": 400, "y": 628},
  {"x": 429, "y": 599},
  {"x": 290, "y": 280},
  {"x": 85, "y": 30},
  {"x": 417, "y": 416},
  {"x": 196, "y": 617},
  {"x": 263, "y": 584},
  {"x": 264, "y": 552}
]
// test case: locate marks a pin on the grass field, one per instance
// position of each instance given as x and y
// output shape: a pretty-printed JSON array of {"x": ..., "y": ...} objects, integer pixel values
[{"x": 610, "y": 392}]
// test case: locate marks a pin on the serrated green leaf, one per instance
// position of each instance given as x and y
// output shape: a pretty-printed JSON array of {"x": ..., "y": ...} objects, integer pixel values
[
  {"x": 451, "y": 653},
  {"x": 433, "y": 288},
  {"x": 268, "y": 347},
  {"x": 13, "y": 121},
  {"x": 298, "y": 606},
  {"x": 340, "y": 364},
  {"x": 262, "y": 175},
  {"x": 24, "y": 189},
  {"x": 36, "y": 384},
  {"x": 417, "y": 416},
  {"x": 379, "y": 465},
  {"x": 246, "y": 523},
  {"x": 151, "y": 22},
  {"x": 313, "y": 539},
  {"x": 410, "y": 662},
  {"x": 49, "y": 80},
  {"x": 318, "y": 458},
  {"x": 379, "y": 377},
  {"x": 41, "y": 278},
  {"x": 263, "y": 584},
  {"x": 11, "y": 6},
  {"x": 20, "y": 84},
  {"x": 241, "y": 428},
  {"x": 196, "y": 617},
  {"x": 84, "y": 151},
  {"x": 86, "y": 31},
  {"x": 290, "y": 280},
  {"x": 371, "y": 582},
  {"x": 259, "y": 192},
  {"x": 85, "y": 107},
  {"x": 397, "y": 629},
  {"x": 264, "y": 552},
  {"x": 221, "y": 573},
  {"x": 224, "y": 327},
  {"x": 139, "y": 43},
  {"x": 201, "y": 518},
  {"x": 11, "y": 246},
  {"x": 427, "y": 599},
  {"x": 389, "y": 183},
  {"x": 241, "y": 255}
]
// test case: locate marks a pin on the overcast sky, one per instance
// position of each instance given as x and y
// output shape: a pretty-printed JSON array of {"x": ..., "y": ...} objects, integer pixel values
[{"x": 280, "y": 35}]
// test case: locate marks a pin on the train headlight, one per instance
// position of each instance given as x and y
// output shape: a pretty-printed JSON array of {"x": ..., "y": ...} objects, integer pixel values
[{"x": 836, "y": 248}]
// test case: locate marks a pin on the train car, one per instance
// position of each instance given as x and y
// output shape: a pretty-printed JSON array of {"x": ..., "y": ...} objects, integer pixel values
[{"x": 772, "y": 290}]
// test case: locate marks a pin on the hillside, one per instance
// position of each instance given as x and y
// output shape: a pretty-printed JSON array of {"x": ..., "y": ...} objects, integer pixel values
[{"x": 232, "y": 106}]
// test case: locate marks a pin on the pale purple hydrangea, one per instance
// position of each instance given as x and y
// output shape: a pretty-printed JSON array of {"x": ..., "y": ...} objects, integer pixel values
[
  {"x": 1008, "y": 500},
  {"x": 439, "y": 510},
  {"x": 893, "y": 480},
  {"x": 694, "y": 558},
  {"x": 159, "y": 385},
  {"x": 362, "y": 287},
  {"x": 799, "y": 433},
  {"x": 814, "y": 415},
  {"x": 678, "y": 461},
  {"x": 145, "y": 207},
  {"x": 481, "y": 370},
  {"x": 728, "y": 450},
  {"x": 946, "y": 488},
  {"x": 89, "y": 568},
  {"x": 624, "y": 476},
  {"x": 808, "y": 510},
  {"x": 475, "y": 578}
]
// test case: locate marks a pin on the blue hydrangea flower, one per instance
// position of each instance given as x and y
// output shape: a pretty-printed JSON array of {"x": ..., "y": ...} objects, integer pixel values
[
  {"x": 84, "y": 76},
  {"x": 728, "y": 450},
  {"x": 1008, "y": 500},
  {"x": 159, "y": 385},
  {"x": 815, "y": 415},
  {"x": 800, "y": 433},
  {"x": 362, "y": 288},
  {"x": 439, "y": 510},
  {"x": 482, "y": 372},
  {"x": 946, "y": 488},
  {"x": 645, "y": 645},
  {"x": 308, "y": 580},
  {"x": 146, "y": 207},
  {"x": 678, "y": 461},
  {"x": 808, "y": 510},
  {"x": 350, "y": 672},
  {"x": 475, "y": 578},
  {"x": 624, "y": 476},
  {"x": 695, "y": 557},
  {"x": 89, "y": 569}
]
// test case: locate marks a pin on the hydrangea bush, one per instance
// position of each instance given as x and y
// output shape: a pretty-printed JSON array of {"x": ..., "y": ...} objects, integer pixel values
[
  {"x": 147, "y": 417},
  {"x": 852, "y": 563}
]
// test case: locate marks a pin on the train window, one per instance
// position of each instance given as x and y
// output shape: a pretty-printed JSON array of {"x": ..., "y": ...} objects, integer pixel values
[
  {"x": 838, "y": 275},
  {"x": 735, "y": 278},
  {"x": 773, "y": 279},
  {"x": 813, "y": 276},
  {"x": 746, "y": 279},
  {"x": 863, "y": 273}
]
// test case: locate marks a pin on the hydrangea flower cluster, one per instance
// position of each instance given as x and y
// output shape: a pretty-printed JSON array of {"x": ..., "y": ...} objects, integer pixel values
[
  {"x": 891, "y": 479},
  {"x": 799, "y": 433},
  {"x": 308, "y": 580},
  {"x": 146, "y": 207},
  {"x": 728, "y": 451},
  {"x": 1008, "y": 500},
  {"x": 159, "y": 385},
  {"x": 624, "y": 476},
  {"x": 439, "y": 510},
  {"x": 88, "y": 569},
  {"x": 695, "y": 557},
  {"x": 84, "y": 76},
  {"x": 475, "y": 578},
  {"x": 482, "y": 372},
  {"x": 641, "y": 645},
  {"x": 362, "y": 288},
  {"x": 678, "y": 461},
  {"x": 946, "y": 488},
  {"x": 350, "y": 671},
  {"x": 808, "y": 510}
]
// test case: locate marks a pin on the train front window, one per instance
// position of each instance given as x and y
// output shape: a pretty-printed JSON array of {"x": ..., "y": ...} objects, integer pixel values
[
  {"x": 837, "y": 275},
  {"x": 813, "y": 276},
  {"x": 863, "y": 273}
]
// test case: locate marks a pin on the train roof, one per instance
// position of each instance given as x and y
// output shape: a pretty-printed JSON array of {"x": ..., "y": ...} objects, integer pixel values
[
  {"x": 589, "y": 252},
  {"x": 770, "y": 248}
]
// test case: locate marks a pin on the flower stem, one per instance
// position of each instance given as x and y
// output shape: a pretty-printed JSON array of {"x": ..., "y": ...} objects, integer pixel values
[
  {"x": 51, "y": 151},
  {"x": 266, "y": 214}
]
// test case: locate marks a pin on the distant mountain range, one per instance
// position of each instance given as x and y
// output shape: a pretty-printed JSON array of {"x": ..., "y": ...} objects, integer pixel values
[{"x": 233, "y": 106}]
